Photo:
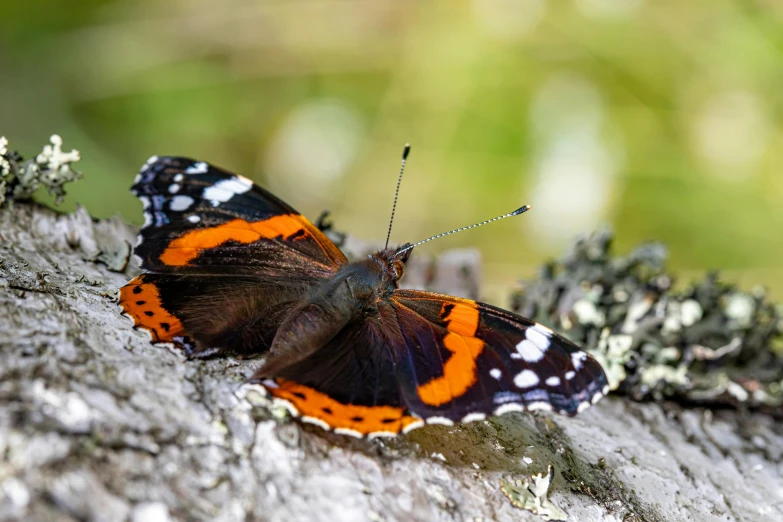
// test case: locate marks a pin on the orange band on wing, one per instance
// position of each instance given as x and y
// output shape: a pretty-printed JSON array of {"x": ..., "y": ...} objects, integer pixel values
[
  {"x": 459, "y": 371},
  {"x": 184, "y": 249},
  {"x": 362, "y": 419},
  {"x": 141, "y": 301},
  {"x": 463, "y": 318}
]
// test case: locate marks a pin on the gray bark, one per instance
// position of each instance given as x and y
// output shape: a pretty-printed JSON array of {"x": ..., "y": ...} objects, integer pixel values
[{"x": 98, "y": 424}]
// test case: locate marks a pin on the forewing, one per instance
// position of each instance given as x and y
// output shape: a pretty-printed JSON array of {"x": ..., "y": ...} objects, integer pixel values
[
  {"x": 459, "y": 360},
  {"x": 201, "y": 219}
]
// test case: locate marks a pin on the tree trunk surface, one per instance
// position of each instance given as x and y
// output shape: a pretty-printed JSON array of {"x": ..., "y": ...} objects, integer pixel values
[{"x": 98, "y": 424}]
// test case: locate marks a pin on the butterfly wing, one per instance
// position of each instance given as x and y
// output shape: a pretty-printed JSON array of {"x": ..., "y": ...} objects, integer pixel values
[
  {"x": 228, "y": 259},
  {"x": 459, "y": 360},
  {"x": 349, "y": 385},
  {"x": 209, "y": 315},
  {"x": 201, "y": 219},
  {"x": 431, "y": 358}
]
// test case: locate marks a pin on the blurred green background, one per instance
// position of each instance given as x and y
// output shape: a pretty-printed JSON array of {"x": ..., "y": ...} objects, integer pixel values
[{"x": 661, "y": 118}]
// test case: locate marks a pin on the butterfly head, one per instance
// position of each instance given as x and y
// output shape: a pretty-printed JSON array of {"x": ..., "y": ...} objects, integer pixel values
[
  {"x": 393, "y": 262},
  {"x": 377, "y": 276}
]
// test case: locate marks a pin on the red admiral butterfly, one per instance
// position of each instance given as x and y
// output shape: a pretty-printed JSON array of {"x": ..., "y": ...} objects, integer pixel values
[{"x": 231, "y": 269}]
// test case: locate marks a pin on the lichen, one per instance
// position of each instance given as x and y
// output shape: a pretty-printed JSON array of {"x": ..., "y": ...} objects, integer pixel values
[
  {"x": 6, "y": 172},
  {"x": 51, "y": 168},
  {"x": 708, "y": 343},
  {"x": 531, "y": 494}
]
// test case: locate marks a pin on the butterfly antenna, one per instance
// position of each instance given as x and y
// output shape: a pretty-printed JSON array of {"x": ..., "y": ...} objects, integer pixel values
[
  {"x": 405, "y": 153},
  {"x": 520, "y": 210}
]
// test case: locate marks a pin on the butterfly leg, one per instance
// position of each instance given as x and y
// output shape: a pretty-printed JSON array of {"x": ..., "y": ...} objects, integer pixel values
[
  {"x": 205, "y": 353},
  {"x": 323, "y": 223}
]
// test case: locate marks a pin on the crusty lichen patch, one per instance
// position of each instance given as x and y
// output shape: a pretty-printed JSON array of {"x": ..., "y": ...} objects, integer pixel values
[
  {"x": 710, "y": 343},
  {"x": 532, "y": 493},
  {"x": 51, "y": 168}
]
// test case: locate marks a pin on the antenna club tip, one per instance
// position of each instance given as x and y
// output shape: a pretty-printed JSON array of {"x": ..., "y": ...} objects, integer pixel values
[
  {"x": 406, "y": 151},
  {"x": 521, "y": 210}
]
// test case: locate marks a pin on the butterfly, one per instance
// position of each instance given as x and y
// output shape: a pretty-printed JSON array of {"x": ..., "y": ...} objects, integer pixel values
[{"x": 230, "y": 269}]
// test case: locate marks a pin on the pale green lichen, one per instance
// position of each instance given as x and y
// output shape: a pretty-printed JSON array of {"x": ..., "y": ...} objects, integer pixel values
[
  {"x": 6, "y": 175},
  {"x": 587, "y": 313},
  {"x": 613, "y": 353},
  {"x": 709, "y": 343},
  {"x": 52, "y": 169},
  {"x": 660, "y": 375},
  {"x": 531, "y": 494},
  {"x": 740, "y": 309}
]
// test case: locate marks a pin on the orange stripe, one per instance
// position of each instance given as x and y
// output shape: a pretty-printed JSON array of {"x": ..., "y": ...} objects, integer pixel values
[
  {"x": 141, "y": 301},
  {"x": 463, "y": 318},
  {"x": 184, "y": 249},
  {"x": 459, "y": 371},
  {"x": 363, "y": 419}
]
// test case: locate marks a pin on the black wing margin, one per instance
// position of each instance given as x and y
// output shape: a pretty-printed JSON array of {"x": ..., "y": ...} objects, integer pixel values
[
  {"x": 459, "y": 360},
  {"x": 201, "y": 219}
]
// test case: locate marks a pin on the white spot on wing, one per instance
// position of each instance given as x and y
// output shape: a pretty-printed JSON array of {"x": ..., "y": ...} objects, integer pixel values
[
  {"x": 473, "y": 417},
  {"x": 198, "y": 168},
  {"x": 227, "y": 189},
  {"x": 542, "y": 329},
  {"x": 412, "y": 426},
  {"x": 504, "y": 397},
  {"x": 526, "y": 379},
  {"x": 529, "y": 351},
  {"x": 316, "y": 421},
  {"x": 277, "y": 402},
  {"x": 582, "y": 406},
  {"x": 180, "y": 203},
  {"x": 147, "y": 220},
  {"x": 536, "y": 337},
  {"x": 539, "y": 406},
  {"x": 152, "y": 160},
  {"x": 570, "y": 375},
  {"x": 349, "y": 432},
  {"x": 578, "y": 358},
  {"x": 194, "y": 218},
  {"x": 145, "y": 201},
  {"x": 178, "y": 178},
  {"x": 129, "y": 318},
  {"x": 495, "y": 373},
  {"x": 174, "y": 188},
  {"x": 553, "y": 381},
  {"x": 378, "y": 434},
  {"x": 440, "y": 420},
  {"x": 506, "y": 408}
]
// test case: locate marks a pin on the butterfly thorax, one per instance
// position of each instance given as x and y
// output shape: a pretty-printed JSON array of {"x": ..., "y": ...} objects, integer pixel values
[{"x": 352, "y": 294}]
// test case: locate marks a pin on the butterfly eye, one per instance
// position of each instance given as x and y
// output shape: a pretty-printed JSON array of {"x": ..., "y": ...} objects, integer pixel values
[{"x": 399, "y": 268}]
